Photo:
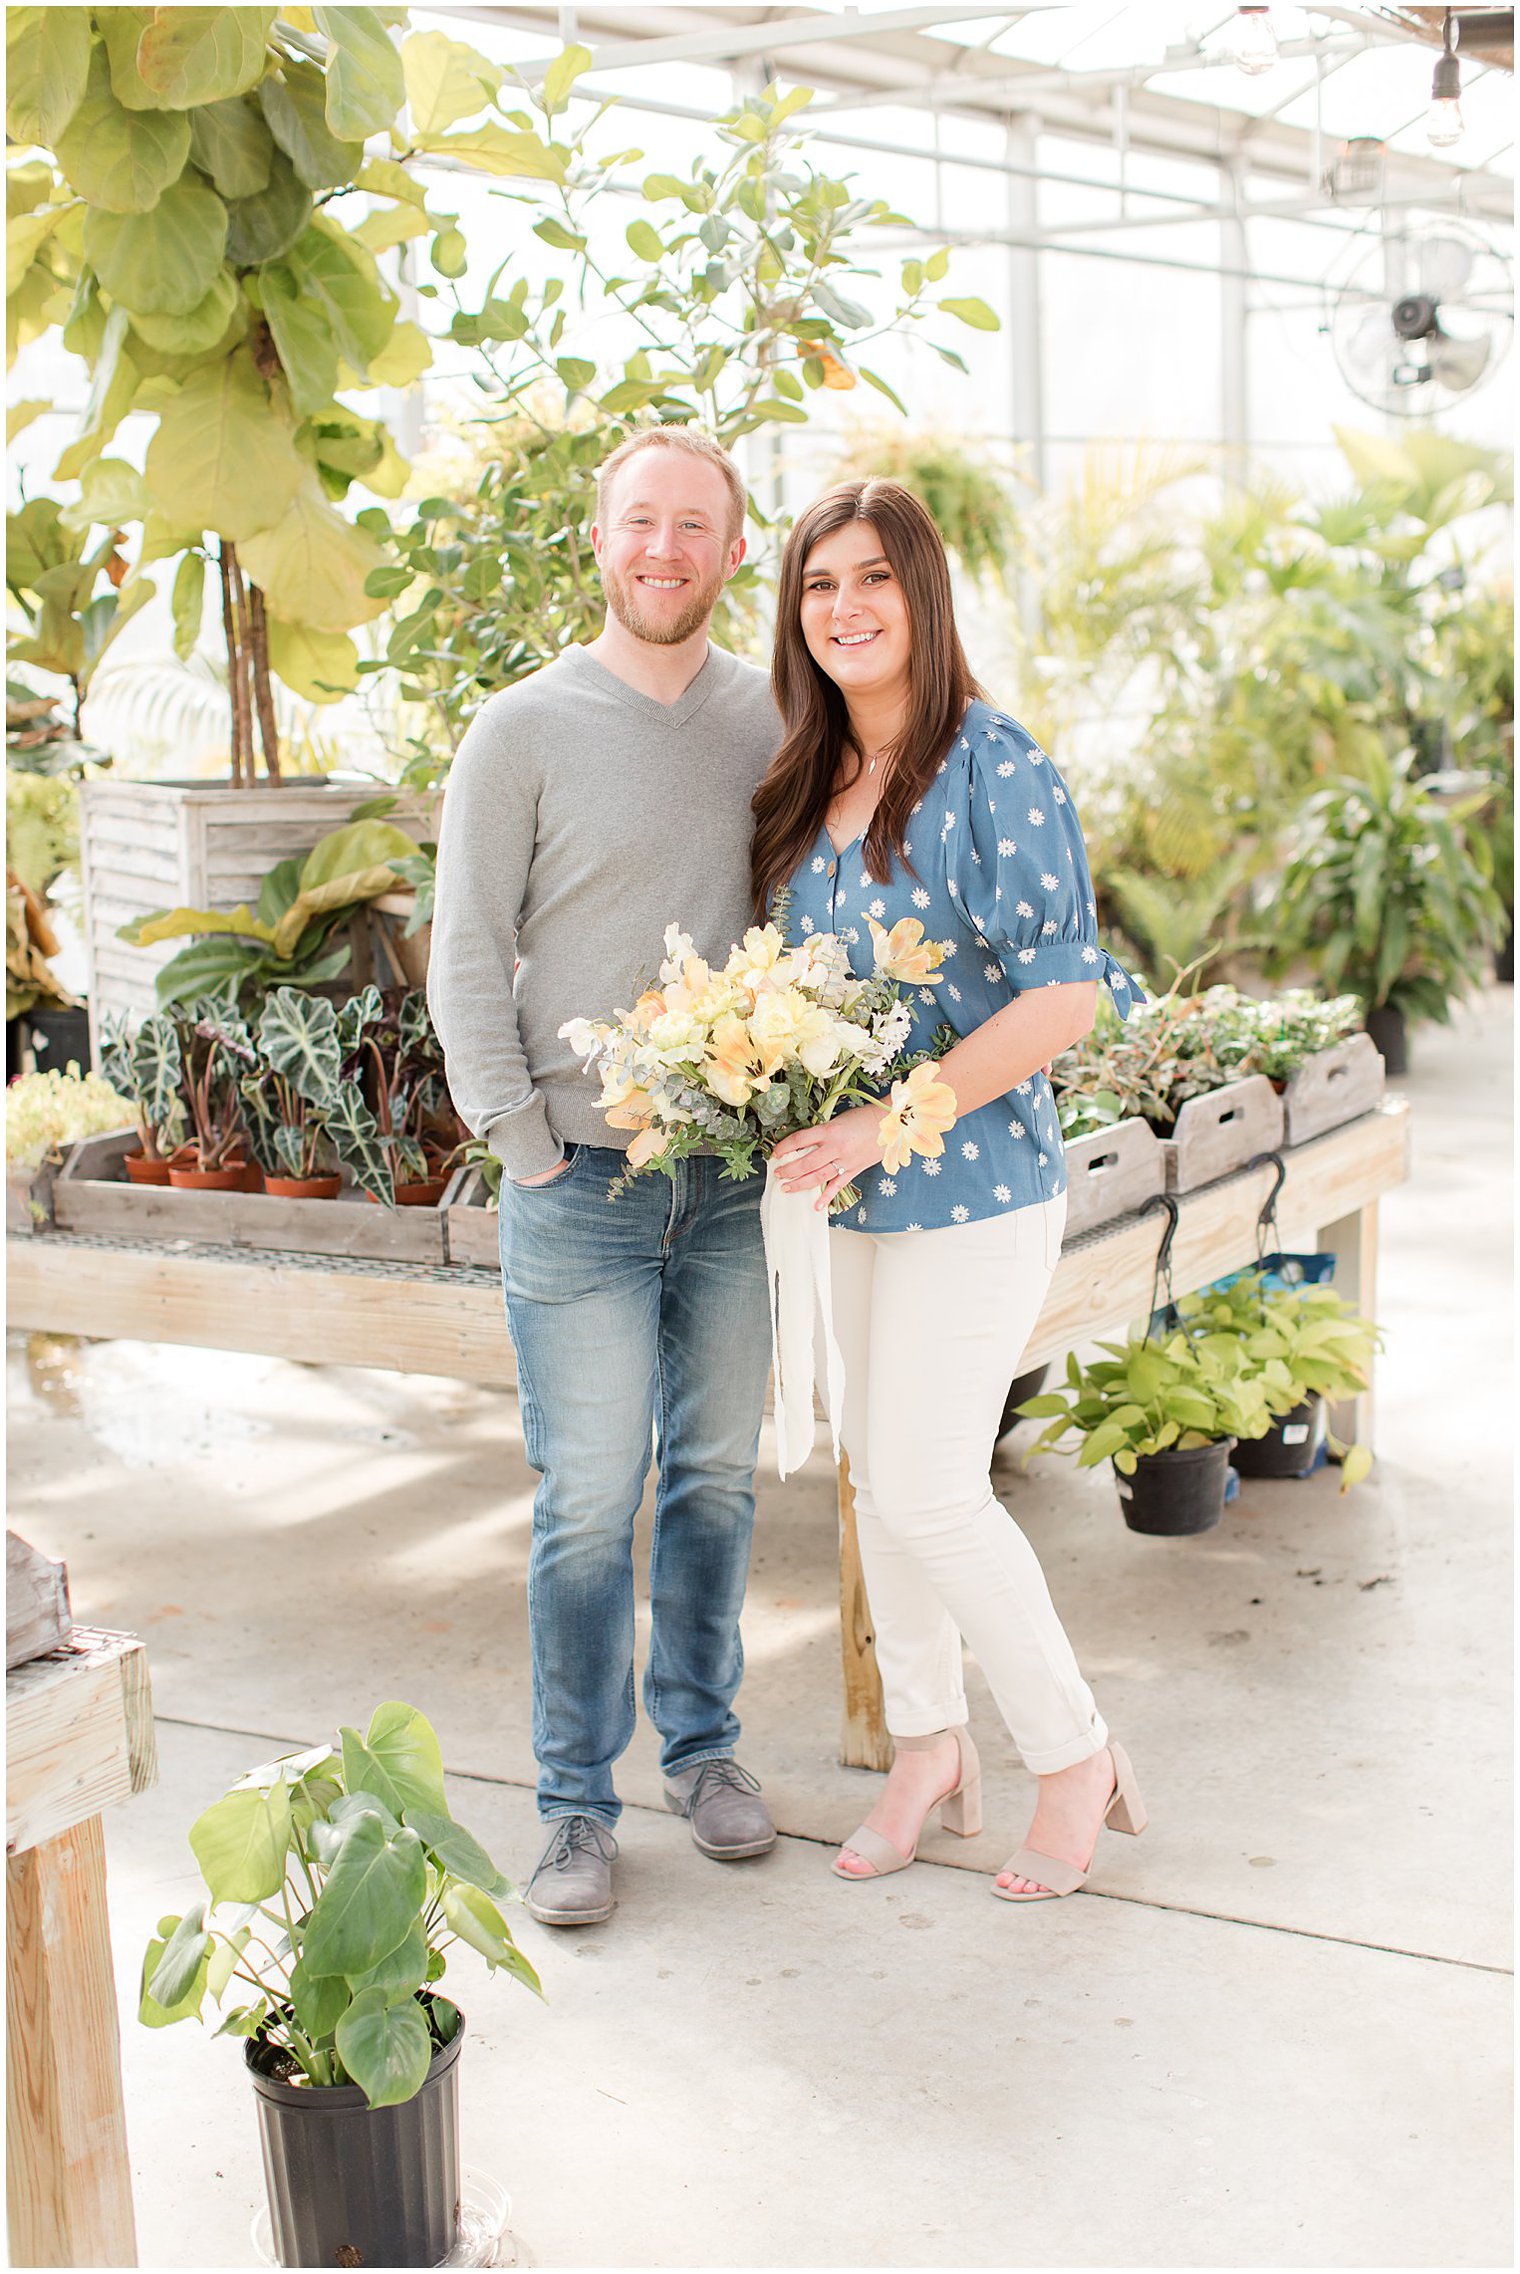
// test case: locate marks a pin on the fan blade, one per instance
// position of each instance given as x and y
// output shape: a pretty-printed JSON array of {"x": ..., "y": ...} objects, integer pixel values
[
  {"x": 1370, "y": 348},
  {"x": 1458, "y": 364},
  {"x": 1444, "y": 265}
]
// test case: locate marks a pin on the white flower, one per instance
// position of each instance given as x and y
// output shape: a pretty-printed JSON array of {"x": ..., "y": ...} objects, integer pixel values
[
  {"x": 1050, "y": 883},
  {"x": 865, "y": 884},
  {"x": 886, "y": 1186},
  {"x": 920, "y": 897},
  {"x": 913, "y": 1227},
  {"x": 907, "y": 850},
  {"x": 852, "y": 936},
  {"x": 1050, "y": 1135},
  {"x": 1035, "y": 755},
  {"x": 860, "y": 1219},
  {"x": 818, "y": 865},
  {"x": 1006, "y": 768},
  {"x": 1092, "y": 911},
  {"x": 926, "y": 995},
  {"x": 947, "y": 948},
  {"x": 1089, "y": 955},
  {"x": 807, "y": 924},
  {"x": 1060, "y": 797},
  {"x": 1036, "y": 817},
  {"x": 1023, "y": 909},
  {"x": 944, "y": 762},
  {"x": 960, "y": 1215},
  {"x": 952, "y": 888},
  {"x": 915, "y": 809},
  {"x": 952, "y": 991},
  {"x": 1007, "y": 848},
  {"x": 946, "y": 826},
  {"x": 1017, "y": 1129},
  {"x": 1024, "y": 1089},
  {"x": 1049, "y": 928},
  {"x": 1002, "y": 1193},
  {"x": 878, "y": 908},
  {"x": 970, "y": 1152},
  {"x": 1118, "y": 980},
  {"x": 932, "y": 1168},
  {"x": 1043, "y": 1161},
  {"x": 991, "y": 970},
  {"x": 1026, "y": 955},
  {"x": 976, "y": 858}
]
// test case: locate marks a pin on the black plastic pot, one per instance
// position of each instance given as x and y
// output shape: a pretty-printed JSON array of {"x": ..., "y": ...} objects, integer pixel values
[
  {"x": 59, "y": 1038},
  {"x": 1289, "y": 1449},
  {"x": 1504, "y": 958},
  {"x": 1389, "y": 1031},
  {"x": 1025, "y": 1386},
  {"x": 1177, "y": 1492},
  {"x": 351, "y": 2185}
]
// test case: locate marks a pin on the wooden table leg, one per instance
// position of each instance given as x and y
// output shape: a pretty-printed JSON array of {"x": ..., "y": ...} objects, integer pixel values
[
  {"x": 68, "y": 2182},
  {"x": 1353, "y": 1240},
  {"x": 864, "y": 1743}
]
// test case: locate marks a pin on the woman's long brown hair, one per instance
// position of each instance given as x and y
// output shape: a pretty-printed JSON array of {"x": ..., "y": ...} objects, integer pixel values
[{"x": 791, "y": 802}]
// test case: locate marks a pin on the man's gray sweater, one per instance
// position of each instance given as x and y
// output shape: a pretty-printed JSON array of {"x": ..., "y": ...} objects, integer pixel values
[{"x": 580, "y": 818}]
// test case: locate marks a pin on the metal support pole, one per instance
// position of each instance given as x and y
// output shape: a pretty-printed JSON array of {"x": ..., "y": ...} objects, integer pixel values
[
  {"x": 1234, "y": 313},
  {"x": 1025, "y": 331}
]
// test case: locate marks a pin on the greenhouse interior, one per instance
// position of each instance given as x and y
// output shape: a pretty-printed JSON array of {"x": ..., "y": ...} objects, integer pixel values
[{"x": 501, "y": 495}]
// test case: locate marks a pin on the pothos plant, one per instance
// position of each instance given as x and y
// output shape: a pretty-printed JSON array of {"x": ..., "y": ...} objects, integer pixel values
[
  {"x": 1150, "y": 1394},
  {"x": 337, "y": 1884}
]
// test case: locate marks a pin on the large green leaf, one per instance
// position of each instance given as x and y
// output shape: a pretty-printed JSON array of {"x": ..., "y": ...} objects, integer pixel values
[
  {"x": 452, "y": 1847},
  {"x": 398, "y": 1758},
  {"x": 111, "y": 493},
  {"x": 375, "y": 1890},
  {"x": 298, "y": 1035},
  {"x": 320, "y": 2000},
  {"x": 340, "y": 279},
  {"x": 193, "y": 923},
  {"x": 356, "y": 1133},
  {"x": 25, "y": 236},
  {"x": 492, "y": 149},
  {"x": 357, "y": 845},
  {"x": 189, "y": 56},
  {"x": 221, "y": 459},
  {"x": 208, "y": 964},
  {"x": 241, "y": 1843},
  {"x": 294, "y": 102},
  {"x": 261, "y": 227},
  {"x": 365, "y": 87},
  {"x": 337, "y": 893},
  {"x": 120, "y": 159},
  {"x": 445, "y": 81},
  {"x": 385, "y": 2049},
  {"x": 156, "y": 1066},
  {"x": 312, "y": 565},
  {"x": 201, "y": 327},
  {"x": 47, "y": 61},
  {"x": 164, "y": 261},
  {"x": 184, "y": 1954},
  {"x": 303, "y": 338},
  {"x": 405, "y": 356},
  {"x": 122, "y": 30},
  {"x": 319, "y": 665},
  {"x": 400, "y": 1974},
  {"x": 113, "y": 384},
  {"x": 149, "y": 2012},
  {"x": 231, "y": 142},
  {"x": 475, "y": 1919}
]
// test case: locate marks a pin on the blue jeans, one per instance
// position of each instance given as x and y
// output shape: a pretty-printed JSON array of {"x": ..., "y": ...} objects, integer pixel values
[{"x": 634, "y": 1318}]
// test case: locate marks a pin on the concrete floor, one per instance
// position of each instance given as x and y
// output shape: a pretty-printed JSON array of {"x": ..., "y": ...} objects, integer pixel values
[{"x": 1274, "y": 2033}]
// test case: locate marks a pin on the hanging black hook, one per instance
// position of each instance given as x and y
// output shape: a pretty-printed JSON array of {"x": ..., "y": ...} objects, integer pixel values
[
  {"x": 1266, "y": 1221},
  {"x": 1163, "y": 1271}
]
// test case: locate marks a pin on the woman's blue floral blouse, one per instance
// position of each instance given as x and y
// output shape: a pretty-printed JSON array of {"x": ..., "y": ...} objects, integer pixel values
[{"x": 1002, "y": 880}]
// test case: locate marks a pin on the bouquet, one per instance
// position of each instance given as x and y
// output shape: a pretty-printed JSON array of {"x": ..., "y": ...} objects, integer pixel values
[{"x": 730, "y": 1062}]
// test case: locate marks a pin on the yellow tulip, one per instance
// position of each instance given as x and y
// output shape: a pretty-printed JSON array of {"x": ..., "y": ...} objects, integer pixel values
[
  {"x": 904, "y": 954},
  {"x": 922, "y": 1109}
]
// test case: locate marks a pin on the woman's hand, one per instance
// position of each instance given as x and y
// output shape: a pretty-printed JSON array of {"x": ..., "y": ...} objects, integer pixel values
[{"x": 831, "y": 1155}]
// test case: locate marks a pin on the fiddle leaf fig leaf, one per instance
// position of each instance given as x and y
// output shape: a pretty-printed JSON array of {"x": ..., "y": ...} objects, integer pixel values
[
  {"x": 120, "y": 159},
  {"x": 386, "y": 2049},
  {"x": 266, "y": 224},
  {"x": 164, "y": 261},
  {"x": 201, "y": 327},
  {"x": 231, "y": 142},
  {"x": 339, "y": 277},
  {"x": 322, "y": 666},
  {"x": 47, "y": 66},
  {"x": 445, "y": 81},
  {"x": 220, "y": 459},
  {"x": 365, "y": 85},
  {"x": 312, "y": 565},
  {"x": 187, "y": 603},
  {"x": 293, "y": 101},
  {"x": 189, "y": 56}
]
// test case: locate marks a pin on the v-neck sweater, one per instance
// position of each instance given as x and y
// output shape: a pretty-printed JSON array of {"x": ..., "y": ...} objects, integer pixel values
[{"x": 580, "y": 818}]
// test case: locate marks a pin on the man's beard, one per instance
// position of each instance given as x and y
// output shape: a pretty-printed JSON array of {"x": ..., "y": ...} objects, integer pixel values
[{"x": 623, "y": 599}]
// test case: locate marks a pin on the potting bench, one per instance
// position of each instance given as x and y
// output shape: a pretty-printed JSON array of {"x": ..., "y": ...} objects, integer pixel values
[{"x": 447, "y": 1319}]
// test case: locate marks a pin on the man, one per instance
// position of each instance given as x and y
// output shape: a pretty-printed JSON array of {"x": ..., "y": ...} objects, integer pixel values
[{"x": 589, "y": 807}]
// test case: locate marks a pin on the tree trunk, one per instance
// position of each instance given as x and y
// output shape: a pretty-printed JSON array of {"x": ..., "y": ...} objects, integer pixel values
[
  {"x": 225, "y": 558},
  {"x": 263, "y": 693},
  {"x": 242, "y": 703}
]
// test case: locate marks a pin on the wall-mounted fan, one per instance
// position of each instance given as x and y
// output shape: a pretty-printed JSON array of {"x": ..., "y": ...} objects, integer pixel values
[{"x": 1424, "y": 318}]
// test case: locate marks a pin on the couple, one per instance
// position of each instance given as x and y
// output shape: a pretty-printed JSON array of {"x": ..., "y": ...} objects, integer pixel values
[{"x": 647, "y": 779}]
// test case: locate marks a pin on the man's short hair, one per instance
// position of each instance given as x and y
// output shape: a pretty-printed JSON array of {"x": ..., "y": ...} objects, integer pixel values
[{"x": 695, "y": 445}]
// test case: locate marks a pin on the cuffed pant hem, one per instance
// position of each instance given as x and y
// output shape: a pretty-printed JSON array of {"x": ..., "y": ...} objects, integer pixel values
[
  {"x": 1066, "y": 1756},
  {"x": 958, "y": 1717},
  {"x": 556, "y": 1811},
  {"x": 696, "y": 1760}
]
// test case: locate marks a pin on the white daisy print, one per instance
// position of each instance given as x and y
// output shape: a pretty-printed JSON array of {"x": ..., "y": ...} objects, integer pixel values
[
  {"x": 1007, "y": 848},
  {"x": 818, "y": 864},
  {"x": 1026, "y": 955},
  {"x": 915, "y": 809},
  {"x": 1023, "y": 909},
  {"x": 952, "y": 888},
  {"x": 852, "y": 937},
  {"x": 949, "y": 948},
  {"x": 1059, "y": 795},
  {"x": 1048, "y": 928},
  {"x": 1024, "y": 1089},
  {"x": 920, "y": 897},
  {"x": 878, "y": 908},
  {"x": 861, "y": 1217},
  {"x": 865, "y": 880},
  {"x": 976, "y": 858},
  {"x": 991, "y": 970},
  {"x": 1119, "y": 980},
  {"x": 807, "y": 923},
  {"x": 1089, "y": 955},
  {"x": 925, "y": 996},
  {"x": 952, "y": 991},
  {"x": 1017, "y": 1129},
  {"x": 1044, "y": 1163},
  {"x": 944, "y": 763},
  {"x": 947, "y": 825},
  {"x": 932, "y": 1168},
  {"x": 960, "y": 1215},
  {"x": 1036, "y": 817},
  {"x": 1092, "y": 911},
  {"x": 1006, "y": 768},
  {"x": 1035, "y": 754},
  {"x": 1050, "y": 883},
  {"x": 886, "y": 1186},
  {"x": 907, "y": 850},
  {"x": 970, "y": 1152},
  {"x": 1002, "y": 1193},
  {"x": 913, "y": 1227}
]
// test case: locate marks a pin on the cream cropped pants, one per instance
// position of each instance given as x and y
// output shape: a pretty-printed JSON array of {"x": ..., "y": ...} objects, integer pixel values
[{"x": 931, "y": 1326}]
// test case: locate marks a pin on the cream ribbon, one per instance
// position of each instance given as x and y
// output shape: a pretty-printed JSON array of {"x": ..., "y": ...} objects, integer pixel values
[{"x": 802, "y": 1319}]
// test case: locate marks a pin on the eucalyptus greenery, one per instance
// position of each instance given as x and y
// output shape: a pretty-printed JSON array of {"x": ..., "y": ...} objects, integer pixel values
[{"x": 337, "y": 1884}]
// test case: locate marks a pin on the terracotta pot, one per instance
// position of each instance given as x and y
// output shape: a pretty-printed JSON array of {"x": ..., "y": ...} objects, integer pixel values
[
  {"x": 233, "y": 1178},
  {"x": 303, "y": 1187},
  {"x": 140, "y": 1170},
  {"x": 254, "y": 1179},
  {"x": 426, "y": 1195}
]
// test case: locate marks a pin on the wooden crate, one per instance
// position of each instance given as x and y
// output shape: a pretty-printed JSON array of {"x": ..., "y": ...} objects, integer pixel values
[
  {"x": 1220, "y": 1132},
  {"x": 29, "y": 1198},
  {"x": 92, "y": 1195},
  {"x": 1111, "y": 1173},
  {"x": 470, "y": 1226},
  {"x": 1333, "y": 1086},
  {"x": 146, "y": 845}
]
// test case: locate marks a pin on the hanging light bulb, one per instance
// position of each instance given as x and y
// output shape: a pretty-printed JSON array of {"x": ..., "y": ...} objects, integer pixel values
[
  {"x": 1443, "y": 121},
  {"x": 1253, "y": 43}
]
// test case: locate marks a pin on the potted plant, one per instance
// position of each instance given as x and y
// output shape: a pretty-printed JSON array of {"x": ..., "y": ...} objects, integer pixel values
[
  {"x": 289, "y": 1094},
  {"x": 147, "y": 1068},
  {"x": 1385, "y": 895},
  {"x": 216, "y": 1051},
  {"x": 1312, "y": 1347},
  {"x": 337, "y": 1883},
  {"x": 392, "y": 1054},
  {"x": 44, "y": 1114},
  {"x": 1164, "y": 1408}
]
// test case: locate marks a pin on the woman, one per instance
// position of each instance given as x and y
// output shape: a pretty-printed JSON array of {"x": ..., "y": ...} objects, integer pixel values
[{"x": 900, "y": 792}]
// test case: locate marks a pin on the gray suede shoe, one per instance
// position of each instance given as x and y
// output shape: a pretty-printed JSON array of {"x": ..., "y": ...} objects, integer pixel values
[
  {"x": 722, "y": 1803},
  {"x": 571, "y": 1884}
]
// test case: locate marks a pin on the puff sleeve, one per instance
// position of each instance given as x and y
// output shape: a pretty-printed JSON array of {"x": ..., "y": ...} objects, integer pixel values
[{"x": 1024, "y": 878}]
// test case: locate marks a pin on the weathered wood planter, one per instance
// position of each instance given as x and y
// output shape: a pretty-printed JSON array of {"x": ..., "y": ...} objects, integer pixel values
[
  {"x": 1220, "y": 1132},
  {"x": 147, "y": 845},
  {"x": 92, "y": 1195},
  {"x": 29, "y": 1197},
  {"x": 470, "y": 1225},
  {"x": 1111, "y": 1173},
  {"x": 1333, "y": 1086}
]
